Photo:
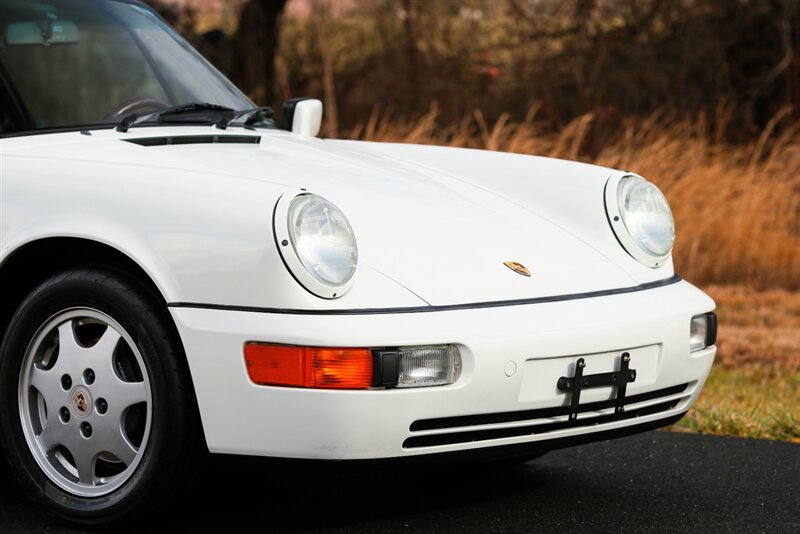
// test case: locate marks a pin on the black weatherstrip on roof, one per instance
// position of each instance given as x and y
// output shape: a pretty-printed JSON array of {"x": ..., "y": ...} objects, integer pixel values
[{"x": 427, "y": 309}]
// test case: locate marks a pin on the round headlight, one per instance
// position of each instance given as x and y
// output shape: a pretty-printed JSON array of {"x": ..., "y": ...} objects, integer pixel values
[
  {"x": 641, "y": 219},
  {"x": 323, "y": 239},
  {"x": 323, "y": 254}
]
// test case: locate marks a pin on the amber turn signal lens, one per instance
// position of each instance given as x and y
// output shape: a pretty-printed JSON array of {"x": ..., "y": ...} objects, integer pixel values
[{"x": 308, "y": 367}]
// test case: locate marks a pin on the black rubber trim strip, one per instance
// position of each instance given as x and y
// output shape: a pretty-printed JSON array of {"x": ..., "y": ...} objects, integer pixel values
[
  {"x": 58, "y": 129},
  {"x": 711, "y": 333},
  {"x": 427, "y": 309}
]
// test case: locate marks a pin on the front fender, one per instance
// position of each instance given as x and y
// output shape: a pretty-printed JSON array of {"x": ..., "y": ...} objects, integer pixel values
[{"x": 202, "y": 237}]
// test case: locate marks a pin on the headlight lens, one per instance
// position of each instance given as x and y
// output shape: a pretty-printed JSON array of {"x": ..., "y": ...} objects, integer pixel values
[
  {"x": 323, "y": 239},
  {"x": 646, "y": 215}
]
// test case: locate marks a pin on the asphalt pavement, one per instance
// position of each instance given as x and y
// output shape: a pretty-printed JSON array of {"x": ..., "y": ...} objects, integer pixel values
[{"x": 654, "y": 482}]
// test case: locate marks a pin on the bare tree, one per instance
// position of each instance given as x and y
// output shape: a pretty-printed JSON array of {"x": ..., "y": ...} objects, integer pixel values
[
  {"x": 322, "y": 15},
  {"x": 255, "y": 44}
]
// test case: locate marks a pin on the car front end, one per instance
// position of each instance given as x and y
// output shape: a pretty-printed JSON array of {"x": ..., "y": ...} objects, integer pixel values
[
  {"x": 517, "y": 281},
  {"x": 179, "y": 269},
  {"x": 512, "y": 356},
  {"x": 410, "y": 336}
]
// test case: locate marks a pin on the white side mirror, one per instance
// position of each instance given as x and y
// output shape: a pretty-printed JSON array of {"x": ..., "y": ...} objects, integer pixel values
[{"x": 302, "y": 116}]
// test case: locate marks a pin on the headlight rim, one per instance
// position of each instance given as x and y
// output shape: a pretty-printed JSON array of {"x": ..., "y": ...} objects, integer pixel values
[
  {"x": 291, "y": 259},
  {"x": 617, "y": 223}
]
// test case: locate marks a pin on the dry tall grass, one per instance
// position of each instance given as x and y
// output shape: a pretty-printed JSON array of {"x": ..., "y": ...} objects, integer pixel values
[
  {"x": 737, "y": 208},
  {"x": 759, "y": 332}
]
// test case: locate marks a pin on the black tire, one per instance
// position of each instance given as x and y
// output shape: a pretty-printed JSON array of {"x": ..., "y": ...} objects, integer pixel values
[{"x": 167, "y": 454}]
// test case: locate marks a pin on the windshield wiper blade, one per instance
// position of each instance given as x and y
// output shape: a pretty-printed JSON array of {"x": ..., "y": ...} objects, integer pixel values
[
  {"x": 247, "y": 117},
  {"x": 192, "y": 113}
]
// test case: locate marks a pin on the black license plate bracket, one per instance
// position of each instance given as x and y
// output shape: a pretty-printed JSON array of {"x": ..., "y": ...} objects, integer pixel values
[{"x": 580, "y": 381}]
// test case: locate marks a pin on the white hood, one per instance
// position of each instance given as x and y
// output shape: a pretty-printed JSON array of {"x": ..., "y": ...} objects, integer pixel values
[{"x": 440, "y": 222}]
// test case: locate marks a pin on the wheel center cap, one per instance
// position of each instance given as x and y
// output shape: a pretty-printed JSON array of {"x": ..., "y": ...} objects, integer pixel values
[{"x": 81, "y": 402}]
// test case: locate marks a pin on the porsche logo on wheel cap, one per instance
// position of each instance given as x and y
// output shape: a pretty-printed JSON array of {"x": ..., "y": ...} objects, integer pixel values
[
  {"x": 81, "y": 402},
  {"x": 517, "y": 268}
]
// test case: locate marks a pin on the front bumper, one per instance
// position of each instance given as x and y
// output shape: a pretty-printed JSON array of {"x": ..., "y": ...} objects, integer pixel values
[{"x": 506, "y": 396}]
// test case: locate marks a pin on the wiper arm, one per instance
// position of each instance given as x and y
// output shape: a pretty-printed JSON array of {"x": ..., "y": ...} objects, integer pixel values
[
  {"x": 127, "y": 121},
  {"x": 247, "y": 117},
  {"x": 257, "y": 115},
  {"x": 192, "y": 113}
]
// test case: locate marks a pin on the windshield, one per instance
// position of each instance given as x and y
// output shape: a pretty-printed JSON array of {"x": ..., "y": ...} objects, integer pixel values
[{"x": 75, "y": 63}]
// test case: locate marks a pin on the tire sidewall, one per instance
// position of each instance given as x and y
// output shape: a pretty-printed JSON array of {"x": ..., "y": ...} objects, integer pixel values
[{"x": 108, "y": 294}]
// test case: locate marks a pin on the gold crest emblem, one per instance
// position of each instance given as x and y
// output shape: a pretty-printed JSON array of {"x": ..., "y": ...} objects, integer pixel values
[
  {"x": 517, "y": 268},
  {"x": 80, "y": 402}
]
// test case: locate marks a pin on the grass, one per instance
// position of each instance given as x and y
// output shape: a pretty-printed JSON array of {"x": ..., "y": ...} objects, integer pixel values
[
  {"x": 750, "y": 405},
  {"x": 737, "y": 213},
  {"x": 754, "y": 387}
]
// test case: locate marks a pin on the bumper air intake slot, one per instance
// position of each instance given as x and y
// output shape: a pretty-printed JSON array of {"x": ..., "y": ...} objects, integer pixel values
[{"x": 469, "y": 436}]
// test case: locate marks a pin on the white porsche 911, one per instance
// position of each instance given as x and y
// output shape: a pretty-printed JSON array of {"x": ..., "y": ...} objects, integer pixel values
[{"x": 180, "y": 273}]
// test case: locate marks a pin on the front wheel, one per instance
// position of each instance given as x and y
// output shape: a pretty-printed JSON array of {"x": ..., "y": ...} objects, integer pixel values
[{"x": 98, "y": 417}]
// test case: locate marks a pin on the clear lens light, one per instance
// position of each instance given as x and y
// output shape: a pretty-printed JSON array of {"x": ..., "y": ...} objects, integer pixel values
[
  {"x": 646, "y": 215},
  {"x": 428, "y": 366},
  {"x": 323, "y": 239},
  {"x": 698, "y": 333}
]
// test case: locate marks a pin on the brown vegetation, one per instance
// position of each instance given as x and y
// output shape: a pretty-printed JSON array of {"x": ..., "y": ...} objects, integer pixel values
[
  {"x": 615, "y": 59},
  {"x": 759, "y": 331}
]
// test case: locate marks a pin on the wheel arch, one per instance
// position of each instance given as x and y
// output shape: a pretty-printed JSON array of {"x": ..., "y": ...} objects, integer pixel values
[{"x": 33, "y": 262}]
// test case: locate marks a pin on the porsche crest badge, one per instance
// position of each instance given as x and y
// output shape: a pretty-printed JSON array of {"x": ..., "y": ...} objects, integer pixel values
[
  {"x": 81, "y": 403},
  {"x": 517, "y": 268}
]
